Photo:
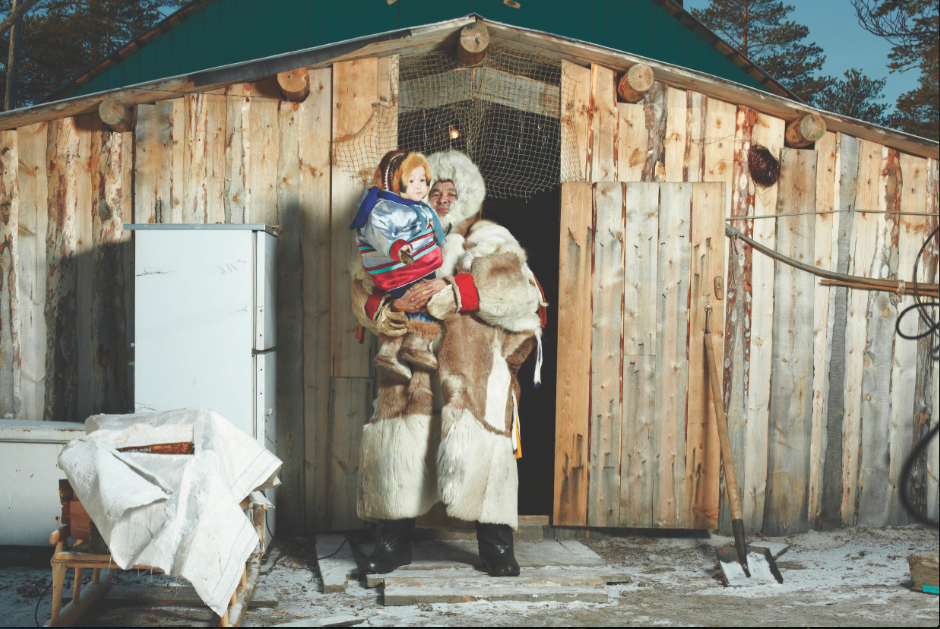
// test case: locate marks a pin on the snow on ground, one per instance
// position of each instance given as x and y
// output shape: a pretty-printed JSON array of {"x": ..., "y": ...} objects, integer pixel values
[{"x": 852, "y": 577}]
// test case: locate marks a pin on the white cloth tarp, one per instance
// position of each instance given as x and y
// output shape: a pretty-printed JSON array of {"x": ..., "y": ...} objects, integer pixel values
[{"x": 178, "y": 513}]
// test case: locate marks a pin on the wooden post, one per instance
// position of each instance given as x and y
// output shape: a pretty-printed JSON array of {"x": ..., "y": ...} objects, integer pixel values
[
  {"x": 116, "y": 115},
  {"x": 294, "y": 84},
  {"x": 803, "y": 132},
  {"x": 635, "y": 83},
  {"x": 473, "y": 43},
  {"x": 13, "y": 63}
]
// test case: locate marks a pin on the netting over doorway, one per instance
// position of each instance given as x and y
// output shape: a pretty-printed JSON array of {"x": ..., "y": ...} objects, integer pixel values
[{"x": 504, "y": 114}]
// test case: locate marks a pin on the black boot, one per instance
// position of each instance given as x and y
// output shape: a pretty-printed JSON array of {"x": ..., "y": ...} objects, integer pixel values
[
  {"x": 495, "y": 544},
  {"x": 392, "y": 546}
]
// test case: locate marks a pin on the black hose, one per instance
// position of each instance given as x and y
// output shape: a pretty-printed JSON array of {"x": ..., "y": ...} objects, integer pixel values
[{"x": 932, "y": 328}]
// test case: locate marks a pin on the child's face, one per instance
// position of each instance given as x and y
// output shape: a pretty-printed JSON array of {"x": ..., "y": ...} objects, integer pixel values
[{"x": 416, "y": 185}]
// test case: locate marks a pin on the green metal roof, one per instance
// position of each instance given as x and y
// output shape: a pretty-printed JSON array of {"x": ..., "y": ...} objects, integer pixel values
[{"x": 216, "y": 33}]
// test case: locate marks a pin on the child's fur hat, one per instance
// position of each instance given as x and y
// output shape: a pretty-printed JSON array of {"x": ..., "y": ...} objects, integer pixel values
[{"x": 395, "y": 166}]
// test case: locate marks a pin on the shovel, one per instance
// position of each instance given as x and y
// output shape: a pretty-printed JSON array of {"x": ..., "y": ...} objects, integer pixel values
[{"x": 737, "y": 564}]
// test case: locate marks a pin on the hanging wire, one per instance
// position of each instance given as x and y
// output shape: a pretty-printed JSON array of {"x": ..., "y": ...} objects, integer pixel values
[{"x": 930, "y": 328}]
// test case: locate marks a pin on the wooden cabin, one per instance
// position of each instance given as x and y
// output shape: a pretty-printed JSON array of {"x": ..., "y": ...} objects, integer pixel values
[{"x": 241, "y": 110}]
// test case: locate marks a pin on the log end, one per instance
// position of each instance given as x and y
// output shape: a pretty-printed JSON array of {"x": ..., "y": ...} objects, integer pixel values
[
  {"x": 294, "y": 84},
  {"x": 804, "y": 131},
  {"x": 473, "y": 44},
  {"x": 637, "y": 81},
  {"x": 116, "y": 115}
]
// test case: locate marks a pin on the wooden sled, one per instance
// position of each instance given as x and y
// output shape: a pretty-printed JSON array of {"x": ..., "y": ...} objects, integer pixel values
[{"x": 103, "y": 569}]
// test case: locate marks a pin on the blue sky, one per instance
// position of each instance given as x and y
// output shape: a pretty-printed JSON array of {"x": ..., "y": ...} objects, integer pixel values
[{"x": 834, "y": 27}]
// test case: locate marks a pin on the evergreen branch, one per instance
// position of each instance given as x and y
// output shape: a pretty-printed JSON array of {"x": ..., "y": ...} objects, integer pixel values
[{"x": 15, "y": 15}]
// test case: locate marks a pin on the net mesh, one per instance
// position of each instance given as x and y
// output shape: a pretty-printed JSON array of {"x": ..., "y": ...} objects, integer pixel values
[{"x": 505, "y": 114}]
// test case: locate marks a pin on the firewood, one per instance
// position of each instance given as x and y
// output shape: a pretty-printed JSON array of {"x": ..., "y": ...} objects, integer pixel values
[
  {"x": 634, "y": 85},
  {"x": 183, "y": 447},
  {"x": 473, "y": 43},
  {"x": 803, "y": 132},
  {"x": 116, "y": 115},
  {"x": 294, "y": 84}
]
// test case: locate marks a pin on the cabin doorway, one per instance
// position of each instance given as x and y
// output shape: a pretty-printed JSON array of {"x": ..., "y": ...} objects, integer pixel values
[{"x": 535, "y": 223}]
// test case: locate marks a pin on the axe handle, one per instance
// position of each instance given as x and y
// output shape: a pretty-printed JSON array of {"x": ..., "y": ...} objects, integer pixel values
[{"x": 731, "y": 480}]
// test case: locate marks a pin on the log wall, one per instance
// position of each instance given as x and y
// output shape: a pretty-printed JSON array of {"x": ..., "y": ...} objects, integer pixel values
[{"x": 828, "y": 456}]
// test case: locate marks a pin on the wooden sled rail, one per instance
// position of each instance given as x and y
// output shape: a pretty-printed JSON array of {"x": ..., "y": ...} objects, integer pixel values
[{"x": 894, "y": 286}]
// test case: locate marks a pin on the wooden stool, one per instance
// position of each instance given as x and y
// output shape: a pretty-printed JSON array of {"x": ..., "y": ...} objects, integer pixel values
[{"x": 103, "y": 569}]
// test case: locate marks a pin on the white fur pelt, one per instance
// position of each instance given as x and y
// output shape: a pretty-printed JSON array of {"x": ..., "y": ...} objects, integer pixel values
[
  {"x": 477, "y": 472},
  {"x": 397, "y": 468}
]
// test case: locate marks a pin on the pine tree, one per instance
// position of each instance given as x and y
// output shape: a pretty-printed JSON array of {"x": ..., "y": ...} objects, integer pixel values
[
  {"x": 62, "y": 38},
  {"x": 760, "y": 30},
  {"x": 857, "y": 96},
  {"x": 911, "y": 26}
]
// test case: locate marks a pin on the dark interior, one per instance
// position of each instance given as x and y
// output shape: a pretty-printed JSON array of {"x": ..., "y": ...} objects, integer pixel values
[{"x": 535, "y": 223}]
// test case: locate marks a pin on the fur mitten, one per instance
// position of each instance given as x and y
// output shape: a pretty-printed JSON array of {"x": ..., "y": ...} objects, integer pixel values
[{"x": 443, "y": 304}]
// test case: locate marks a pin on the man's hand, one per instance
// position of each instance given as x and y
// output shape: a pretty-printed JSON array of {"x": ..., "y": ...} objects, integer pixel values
[{"x": 416, "y": 298}]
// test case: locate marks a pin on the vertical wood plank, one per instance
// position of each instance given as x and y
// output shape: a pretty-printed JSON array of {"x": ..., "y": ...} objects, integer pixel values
[
  {"x": 668, "y": 440},
  {"x": 675, "y": 141},
  {"x": 91, "y": 136},
  {"x": 641, "y": 256},
  {"x": 215, "y": 105},
  {"x": 604, "y": 123},
  {"x": 769, "y": 132},
  {"x": 195, "y": 195},
  {"x": 904, "y": 371},
  {"x": 791, "y": 401},
  {"x": 574, "y": 366},
  {"x": 9, "y": 262},
  {"x": 631, "y": 142},
  {"x": 152, "y": 154},
  {"x": 33, "y": 215},
  {"x": 110, "y": 202},
  {"x": 925, "y": 471},
  {"x": 702, "y": 447},
  {"x": 387, "y": 90},
  {"x": 693, "y": 167},
  {"x": 62, "y": 347},
  {"x": 236, "y": 101},
  {"x": 737, "y": 351},
  {"x": 656, "y": 112},
  {"x": 262, "y": 157},
  {"x": 350, "y": 409},
  {"x": 879, "y": 352},
  {"x": 827, "y": 188},
  {"x": 177, "y": 161},
  {"x": 317, "y": 283},
  {"x": 831, "y": 496},
  {"x": 606, "y": 359},
  {"x": 864, "y": 237},
  {"x": 290, "y": 320},
  {"x": 354, "y": 92},
  {"x": 575, "y": 121}
]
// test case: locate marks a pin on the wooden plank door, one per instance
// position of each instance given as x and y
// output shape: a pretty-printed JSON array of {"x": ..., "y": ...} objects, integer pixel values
[{"x": 636, "y": 443}]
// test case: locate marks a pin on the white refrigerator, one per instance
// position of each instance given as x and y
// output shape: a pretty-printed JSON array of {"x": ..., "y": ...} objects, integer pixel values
[{"x": 204, "y": 324}]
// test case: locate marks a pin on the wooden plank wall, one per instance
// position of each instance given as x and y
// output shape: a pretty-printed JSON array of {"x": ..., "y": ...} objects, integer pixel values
[
  {"x": 241, "y": 154},
  {"x": 856, "y": 398}
]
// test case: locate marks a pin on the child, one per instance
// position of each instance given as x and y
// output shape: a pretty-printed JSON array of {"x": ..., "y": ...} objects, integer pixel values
[{"x": 400, "y": 240}]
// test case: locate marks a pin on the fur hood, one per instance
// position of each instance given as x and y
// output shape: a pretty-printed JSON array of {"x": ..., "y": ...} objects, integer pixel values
[{"x": 457, "y": 167}]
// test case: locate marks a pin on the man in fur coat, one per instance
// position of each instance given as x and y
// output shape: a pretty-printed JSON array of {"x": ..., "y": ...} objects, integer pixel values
[{"x": 449, "y": 435}]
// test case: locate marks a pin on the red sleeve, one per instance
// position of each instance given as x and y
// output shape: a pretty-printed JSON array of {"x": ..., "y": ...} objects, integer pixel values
[
  {"x": 395, "y": 248},
  {"x": 372, "y": 304},
  {"x": 469, "y": 297}
]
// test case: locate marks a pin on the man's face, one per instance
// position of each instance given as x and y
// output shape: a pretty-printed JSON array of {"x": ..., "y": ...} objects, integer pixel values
[{"x": 443, "y": 193}]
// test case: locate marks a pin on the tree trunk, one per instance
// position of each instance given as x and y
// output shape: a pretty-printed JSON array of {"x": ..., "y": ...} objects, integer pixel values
[{"x": 13, "y": 63}]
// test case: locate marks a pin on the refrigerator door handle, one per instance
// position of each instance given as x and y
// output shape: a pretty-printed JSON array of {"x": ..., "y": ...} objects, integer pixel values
[{"x": 258, "y": 352}]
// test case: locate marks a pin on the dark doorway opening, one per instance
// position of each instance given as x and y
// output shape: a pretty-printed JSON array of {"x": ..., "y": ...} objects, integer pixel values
[{"x": 535, "y": 223}]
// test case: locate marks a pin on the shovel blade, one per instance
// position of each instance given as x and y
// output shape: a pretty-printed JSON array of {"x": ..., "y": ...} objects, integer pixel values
[{"x": 761, "y": 567}]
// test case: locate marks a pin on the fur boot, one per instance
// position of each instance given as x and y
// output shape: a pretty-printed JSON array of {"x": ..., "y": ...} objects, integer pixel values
[
  {"x": 387, "y": 358},
  {"x": 416, "y": 348}
]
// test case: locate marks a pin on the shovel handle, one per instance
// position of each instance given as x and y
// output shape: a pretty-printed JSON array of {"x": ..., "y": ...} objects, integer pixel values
[{"x": 731, "y": 480}]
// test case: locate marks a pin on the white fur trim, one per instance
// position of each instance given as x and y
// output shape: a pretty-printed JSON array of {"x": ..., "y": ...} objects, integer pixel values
[
  {"x": 397, "y": 462},
  {"x": 477, "y": 473},
  {"x": 451, "y": 252},
  {"x": 457, "y": 167},
  {"x": 497, "y": 389}
]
